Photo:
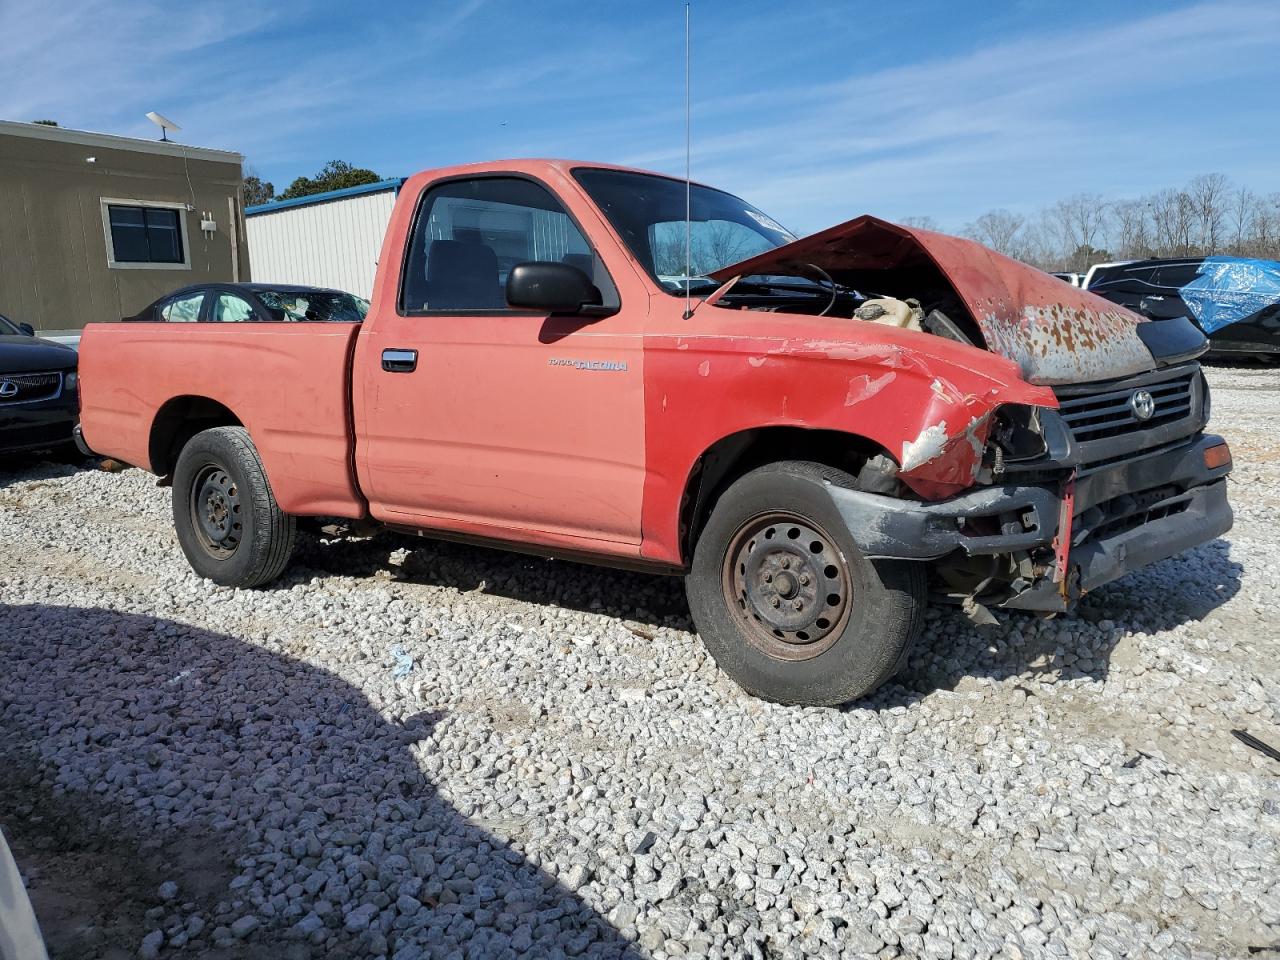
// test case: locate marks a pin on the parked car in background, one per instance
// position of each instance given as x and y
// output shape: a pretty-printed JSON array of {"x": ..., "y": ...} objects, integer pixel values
[
  {"x": 1235, "y": 301},
  {"x": 540, "y": 371},
  {"x": 1075, "y": 279},
  {"x": 256, "y": 302},
  {"x": 39, "y": 397}
]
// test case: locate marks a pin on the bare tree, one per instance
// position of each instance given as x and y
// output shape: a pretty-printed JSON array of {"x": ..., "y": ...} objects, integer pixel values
[
  {"x": 1264, "y": 235},
  {"x": 1040, "y": 244},
  {"x": 1081, "y": 221},
  {"x": 721, "y": 244},
  {"x": 1131, "y": 220},
  {"x": 1209, "y": 193},
  {"x": 1244, "y": 203},
  {"x": 923, "y": 223},
  {"x": 1000, "y": 230},
  {"x": 1173, "y": 219},
  {"x": 1209, "y": 216}
]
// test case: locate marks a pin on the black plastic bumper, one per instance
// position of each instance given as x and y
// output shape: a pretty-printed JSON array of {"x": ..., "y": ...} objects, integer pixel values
[
  {"x": 889, "y": 528},
  {"x": 1203, "y": 514},
  {"x": 42, "y": 425},
  {"x": 1186, "y": 501}
]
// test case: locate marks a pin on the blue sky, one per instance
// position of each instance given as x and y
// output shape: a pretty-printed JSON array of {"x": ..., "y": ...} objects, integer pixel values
[{"x": 815, "y": 112}]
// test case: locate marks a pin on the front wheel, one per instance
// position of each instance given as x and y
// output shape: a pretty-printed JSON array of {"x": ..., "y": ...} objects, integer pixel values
[
  {"x": 227, "y": 519},
  {"x": 784, "y": 600}
]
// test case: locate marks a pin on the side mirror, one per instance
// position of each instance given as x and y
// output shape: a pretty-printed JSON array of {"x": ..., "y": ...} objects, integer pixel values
[
  {"x": 28, "y": 329},
  {"x": 551, "y": 287}
]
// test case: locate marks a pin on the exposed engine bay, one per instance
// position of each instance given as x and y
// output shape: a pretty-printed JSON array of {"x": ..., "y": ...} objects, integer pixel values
[
  {"x": 1057, "y": 334},
  {"x": 788, "y": 296}
]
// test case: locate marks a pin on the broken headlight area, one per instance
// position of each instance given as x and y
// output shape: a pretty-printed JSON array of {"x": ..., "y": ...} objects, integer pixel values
[
  {"x": 1027, "y": 444},
  {"x": 1016, "y": 436}
]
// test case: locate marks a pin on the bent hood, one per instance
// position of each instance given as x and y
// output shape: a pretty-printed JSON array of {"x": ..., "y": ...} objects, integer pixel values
[{"x": 1054, "y": 332}]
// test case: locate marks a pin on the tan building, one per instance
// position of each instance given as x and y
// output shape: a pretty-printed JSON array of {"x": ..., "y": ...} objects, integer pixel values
[{"x": 95, "y": 227}]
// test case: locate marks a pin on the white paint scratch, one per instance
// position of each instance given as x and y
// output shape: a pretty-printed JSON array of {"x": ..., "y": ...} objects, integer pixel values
[
  {"x": 863, "y": 387},
  {"x": 926, "y": 446}
]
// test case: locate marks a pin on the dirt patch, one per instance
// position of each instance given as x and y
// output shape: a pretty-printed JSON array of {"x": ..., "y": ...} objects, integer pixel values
[{"x": 94, "y": 879}]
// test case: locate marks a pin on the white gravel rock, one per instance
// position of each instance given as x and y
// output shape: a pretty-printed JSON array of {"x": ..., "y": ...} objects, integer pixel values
[{"x": 409, "y": 749}]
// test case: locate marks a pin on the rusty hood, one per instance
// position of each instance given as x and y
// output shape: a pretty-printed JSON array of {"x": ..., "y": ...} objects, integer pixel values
[{"x": 1054, "y": 332}]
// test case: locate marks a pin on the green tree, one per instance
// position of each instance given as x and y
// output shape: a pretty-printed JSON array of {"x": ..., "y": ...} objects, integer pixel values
[
  {"x": 256, "y": 190},
  {"x": 46, "y": 123},
  {"x": 336, "y": 175}
]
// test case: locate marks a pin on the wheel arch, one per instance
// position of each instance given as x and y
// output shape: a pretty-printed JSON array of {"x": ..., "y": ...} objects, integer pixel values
[
  {"x": 177, "y": 421},
  {"x": 724, "y": 461}
]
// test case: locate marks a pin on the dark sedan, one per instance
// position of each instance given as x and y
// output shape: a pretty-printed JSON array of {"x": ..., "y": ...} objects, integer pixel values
[
  {"x": 1159, "y": 289},
  {"x": 39, "y": 395},
  {"x": 253, "y": 303}
]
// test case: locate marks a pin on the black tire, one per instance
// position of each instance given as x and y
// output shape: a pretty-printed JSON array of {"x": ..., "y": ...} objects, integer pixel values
[
  {"x": 228, "y": 522},
  {"x": 867, "y": 619}
]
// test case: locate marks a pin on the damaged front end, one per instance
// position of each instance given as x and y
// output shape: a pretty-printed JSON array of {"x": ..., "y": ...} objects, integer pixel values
[
  {"x": 1069, "y": 499},
  {"x": 1025, "y": 502}
]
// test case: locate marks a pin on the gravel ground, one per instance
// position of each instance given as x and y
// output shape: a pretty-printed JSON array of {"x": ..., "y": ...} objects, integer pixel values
[{"x": 422, "y": 750}]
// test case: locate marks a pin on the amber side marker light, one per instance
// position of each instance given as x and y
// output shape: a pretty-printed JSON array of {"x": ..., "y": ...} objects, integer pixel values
[{"x": 1219, "y": 455}]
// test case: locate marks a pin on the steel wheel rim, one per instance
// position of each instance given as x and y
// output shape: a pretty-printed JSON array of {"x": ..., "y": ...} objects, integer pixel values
[
  {"x": 788, "y": 586},
  {"x": 216, "y": 511}
]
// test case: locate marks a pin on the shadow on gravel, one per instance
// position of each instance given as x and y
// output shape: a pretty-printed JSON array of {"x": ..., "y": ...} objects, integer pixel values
[
  {"x": 135, "y": 750},
  {"x": 1183, "y": 589},
  {"x": 1175, "y": 591},
  {"x": 642, "y": 597},
  {"x": 17, "y": 468}
]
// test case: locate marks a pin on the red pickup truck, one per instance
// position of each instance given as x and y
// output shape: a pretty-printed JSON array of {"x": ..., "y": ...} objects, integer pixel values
[{"x": 818, "y": 433}]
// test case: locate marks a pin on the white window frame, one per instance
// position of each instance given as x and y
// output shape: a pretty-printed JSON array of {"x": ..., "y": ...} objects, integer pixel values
[{"x": 114, "y": 264}]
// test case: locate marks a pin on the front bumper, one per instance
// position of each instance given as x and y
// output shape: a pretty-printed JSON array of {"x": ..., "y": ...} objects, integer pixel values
[
  {"x": 1118, "y": 519},
  {"x": 41, "y": 425}
]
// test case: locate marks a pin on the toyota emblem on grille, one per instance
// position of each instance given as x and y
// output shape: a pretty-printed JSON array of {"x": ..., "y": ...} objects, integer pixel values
[
  {"x": 8, "y": 389},
  {"x": 1143, "y": 404}
]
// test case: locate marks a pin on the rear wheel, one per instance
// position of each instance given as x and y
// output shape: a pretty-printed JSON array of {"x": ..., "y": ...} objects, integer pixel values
[
  {"x": 228, "y": 522},
  {"x": 784, "y": 600}
]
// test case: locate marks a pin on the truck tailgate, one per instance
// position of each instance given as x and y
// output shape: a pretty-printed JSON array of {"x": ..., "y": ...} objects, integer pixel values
[{"x": 287, "y": 383}]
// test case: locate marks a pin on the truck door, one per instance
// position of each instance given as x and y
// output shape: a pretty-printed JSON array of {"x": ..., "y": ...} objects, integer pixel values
[{"x": 475, "y": 417}]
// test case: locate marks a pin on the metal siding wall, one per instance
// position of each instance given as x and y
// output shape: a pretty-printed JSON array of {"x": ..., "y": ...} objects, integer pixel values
[{"x": 332, "y": 244}]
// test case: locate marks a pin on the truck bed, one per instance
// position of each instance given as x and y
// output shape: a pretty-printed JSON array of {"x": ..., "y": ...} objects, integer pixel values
[{"x": 287, "y": 383}]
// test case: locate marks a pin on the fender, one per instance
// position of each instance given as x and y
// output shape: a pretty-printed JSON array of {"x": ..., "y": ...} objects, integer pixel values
[{"x": 925, "y": 400}]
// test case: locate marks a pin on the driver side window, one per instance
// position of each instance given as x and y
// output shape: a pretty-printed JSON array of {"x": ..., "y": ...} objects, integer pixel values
[{"x": 470, "y": 233}]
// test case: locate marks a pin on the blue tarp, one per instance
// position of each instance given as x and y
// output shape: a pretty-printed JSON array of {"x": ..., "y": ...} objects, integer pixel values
[{"x": 1229, "y": 289}]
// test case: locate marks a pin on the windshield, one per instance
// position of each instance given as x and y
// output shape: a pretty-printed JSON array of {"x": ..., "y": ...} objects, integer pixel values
[
  {"x": 648, "y": 212},
  {"x": 7, "y": 328},
  {"x": 314, "y": 305}
]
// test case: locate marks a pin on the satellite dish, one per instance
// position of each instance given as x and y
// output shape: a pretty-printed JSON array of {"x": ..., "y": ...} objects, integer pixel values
[{"x": 164, "y": 123}]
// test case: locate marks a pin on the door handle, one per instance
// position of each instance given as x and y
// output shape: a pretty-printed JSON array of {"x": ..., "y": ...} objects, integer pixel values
[{"x": 399, "y": 361}]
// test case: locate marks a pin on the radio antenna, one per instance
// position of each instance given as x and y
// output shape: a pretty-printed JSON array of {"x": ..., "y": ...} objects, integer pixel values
[{"x": 688, "y": 206}]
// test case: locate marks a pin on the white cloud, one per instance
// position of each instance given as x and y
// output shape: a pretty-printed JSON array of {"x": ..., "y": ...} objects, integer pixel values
[
  {"x": 957, "y": 135},
  {"x": 1013, "y": 124}
]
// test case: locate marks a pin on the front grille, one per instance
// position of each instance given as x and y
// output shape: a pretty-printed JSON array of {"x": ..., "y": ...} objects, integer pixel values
[
  {"x": 1111, "y": 414},
  {"x": 1106, "y": 427},
  {"x": 29, "y": 387}
]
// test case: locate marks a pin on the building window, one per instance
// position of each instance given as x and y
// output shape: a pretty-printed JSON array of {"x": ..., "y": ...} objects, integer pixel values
[{"x": 146, "y": 235}]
